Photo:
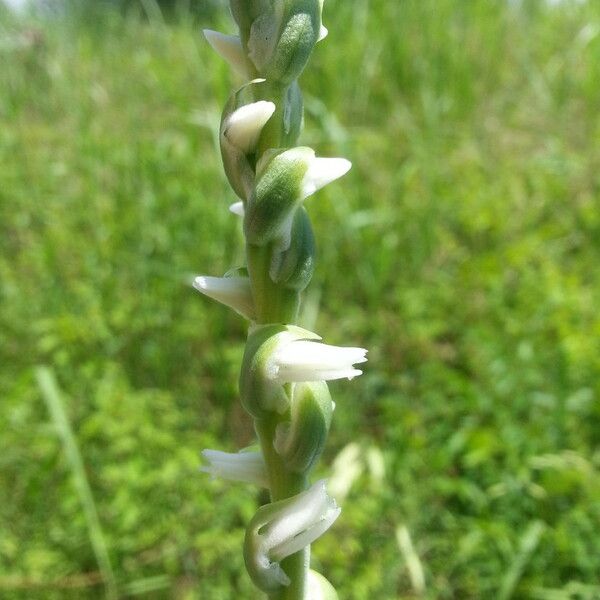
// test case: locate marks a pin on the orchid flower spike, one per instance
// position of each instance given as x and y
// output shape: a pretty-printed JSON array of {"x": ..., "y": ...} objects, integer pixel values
[
  {"x": 283, "y": 528},
  {"x": 247, "y": 467},
  {"x": 285, "y": 369}
]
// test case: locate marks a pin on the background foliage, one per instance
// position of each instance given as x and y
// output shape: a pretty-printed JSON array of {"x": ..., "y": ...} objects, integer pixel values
[{"x": 462, "y": 249}]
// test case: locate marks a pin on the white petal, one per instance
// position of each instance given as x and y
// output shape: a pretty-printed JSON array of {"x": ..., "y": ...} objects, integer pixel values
[
  {"x": 323, "y": 33},
  {"x": 234, "y": 292},
  {"x": 242, "y": 128},
  {"x": 230, "y": 48},
  {"x": 322, "y": 171},
  {"x": 248, "y": 467},
  {"x": 237, "y": 208}
]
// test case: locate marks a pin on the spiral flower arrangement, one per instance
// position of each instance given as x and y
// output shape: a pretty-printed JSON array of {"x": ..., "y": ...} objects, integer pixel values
[{"x": 285, "y": 369}]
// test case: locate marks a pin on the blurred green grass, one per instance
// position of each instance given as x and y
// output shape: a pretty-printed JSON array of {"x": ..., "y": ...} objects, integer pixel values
[{"x": 462, "y": 249}]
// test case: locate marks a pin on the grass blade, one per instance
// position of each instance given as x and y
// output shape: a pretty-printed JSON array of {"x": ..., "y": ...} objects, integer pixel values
[
  {"x": 529, "y": 542},
  {"x": 52, "y": 397}
]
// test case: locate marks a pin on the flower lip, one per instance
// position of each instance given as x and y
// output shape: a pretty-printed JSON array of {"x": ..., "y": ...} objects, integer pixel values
[{"x": 305, "y": 360}]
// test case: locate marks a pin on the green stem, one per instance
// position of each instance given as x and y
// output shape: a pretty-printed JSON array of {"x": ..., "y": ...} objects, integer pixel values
[
  {"x": 284, "y": 484},
  {"x": 273, "y": 304}
]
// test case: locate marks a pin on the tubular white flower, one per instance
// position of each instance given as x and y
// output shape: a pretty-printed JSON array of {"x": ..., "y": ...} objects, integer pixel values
[
  {"x": 230, "y": 48},
  {"x": 242, "y": 128},
  {"x": 237, "y": 208},
  {"x": 322, "y": 171},
  {"x": 283, "y": 528},
  {"x": 247, "y": 467},
  {"x": 234, "y": 292},
  {"x": 304, "y": 360},
  {"x": 283, "y": 181}
]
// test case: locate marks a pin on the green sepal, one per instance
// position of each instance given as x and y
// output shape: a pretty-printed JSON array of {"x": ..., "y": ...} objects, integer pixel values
[
  {"x": 300, "y": 441},
  {"x": 281, "y": 39},
  {"x": 294, "y": 267},
  {"x": 260, "y": 394},
  {"x": 277, "y": 194}
]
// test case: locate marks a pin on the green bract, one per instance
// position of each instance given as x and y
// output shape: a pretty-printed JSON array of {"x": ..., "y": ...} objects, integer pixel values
[
  {"x": 293, "y": 267},
  {"x": 301, "y": 440},
  {"x": 277, "y": 194},
  {"x": 282, "y": 38}
]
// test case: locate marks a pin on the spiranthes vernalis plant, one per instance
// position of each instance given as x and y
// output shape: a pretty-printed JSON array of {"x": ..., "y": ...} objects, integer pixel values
[{"x": 285, "y": 369}]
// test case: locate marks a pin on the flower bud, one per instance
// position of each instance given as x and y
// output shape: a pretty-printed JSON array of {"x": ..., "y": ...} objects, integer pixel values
[
  {"x": 293, "y": 266},
  {"x": 241, "y": 124},
  {"x": 232, "y": 291},
  {"x": 319, "y": 588},
  {"x": 284, "y": 180},
  {"x": 300, "y": 441},
  {"x": 246, "y": 467},
  {"x": 283, "y": 528},
  {"x": 282, "y": 38}
]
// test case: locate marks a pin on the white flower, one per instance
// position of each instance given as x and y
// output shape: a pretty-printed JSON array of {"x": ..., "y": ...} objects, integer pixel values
[
  {"x": 303, "y": 360},
  {"x": 283, "y": 528},
  {"x": 247, "y": 467},
  {"x": 234, "y": 292},
  {"x": 322, "y": 171},
  {"x": 230, "y": 48},
  {"x": 242, "y": 127}
]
